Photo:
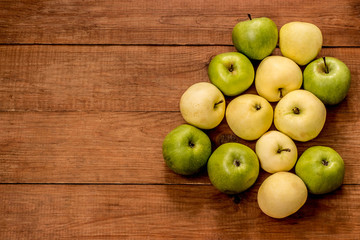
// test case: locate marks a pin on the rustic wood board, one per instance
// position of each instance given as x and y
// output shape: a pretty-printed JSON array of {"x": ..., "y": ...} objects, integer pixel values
[
  {"x": 124, "y": 147},
  {"x": 167, "y": 211},
  {"x": 184, "y": 22},
  {"x": 88, "y": 91},
  {"x": 118, "y": 78}
]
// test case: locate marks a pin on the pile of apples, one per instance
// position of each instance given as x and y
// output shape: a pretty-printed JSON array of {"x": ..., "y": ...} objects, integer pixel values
[{"x": 301, "y": 98}]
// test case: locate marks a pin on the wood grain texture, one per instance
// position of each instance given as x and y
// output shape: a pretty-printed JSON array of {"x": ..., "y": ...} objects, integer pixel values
[
  {"x": 93, "y": 114},
  {"x": 166, "y": 22},
  {"x": 126, "y": 147},
  {"x": 167, "y": 212},
  {"x": 85, "y": 147},
  {"x": 119, "y": 78},
  {"x": 88, "y": 91}
]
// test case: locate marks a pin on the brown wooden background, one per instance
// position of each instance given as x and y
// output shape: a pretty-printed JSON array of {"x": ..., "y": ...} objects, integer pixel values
[{"x": 88, "y": 91}]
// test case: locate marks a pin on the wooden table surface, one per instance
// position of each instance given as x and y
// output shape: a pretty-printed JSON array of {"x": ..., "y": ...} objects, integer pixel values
[{"x": 89, "y": 90}]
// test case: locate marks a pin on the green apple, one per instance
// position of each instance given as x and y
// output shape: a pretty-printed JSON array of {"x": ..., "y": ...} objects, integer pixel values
[
  {"x": 276, "y": 152},
  {"x": 249, "y": 116},
  {"x": 233, "y": 168},
  {"x": 300, "y": 115},
  {"x": 186, "y": 149},
  {"x": 203, "y": 105},
  {"x": 231, "y": 72},
  {"x": 300, "y": 41},
  {"x": 281, "y": 194},
  {"x": 276, "y": 76},
  {"x": 256, "y": 38},
  {"x": 328, "y": 78},
  {"x": 321, "y": 168}
]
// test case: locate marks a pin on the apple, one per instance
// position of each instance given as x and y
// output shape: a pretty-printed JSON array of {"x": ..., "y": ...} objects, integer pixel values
[
  {"x": 300, "y": 41},
  {"x": 249, "y": 116},
  {"x": 321, "y": 168},
  {"x": 256, "y": 38},
  {"x": 186, "y": 149},
  {"x": 276, "y": 152},
  {"x": 203, "y": 105},
  {"x": 300, "y": 115},
  {"x": 281, "y": 194},
  {"x": 233, "y": 168},
  {"x": 276, "y": 76},
  {"x": 328, "y": 78},
  {"x": 231, "y": 72}
]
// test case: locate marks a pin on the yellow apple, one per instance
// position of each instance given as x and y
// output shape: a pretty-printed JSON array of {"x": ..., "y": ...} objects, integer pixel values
[
  {"x": 249, "y": 116},
  {"x": 203, "y": 105},
  {"x": 300, "y": 115},
  {"x": 300, "y": 41},
  {"x": 276, "y": 76},
  {"x": 276, "y": 152},
  {"x": 282, "y": 194}
]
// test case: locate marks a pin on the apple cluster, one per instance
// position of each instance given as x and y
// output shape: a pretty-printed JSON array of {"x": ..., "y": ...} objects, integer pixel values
[{"x": 300, "y": 99}]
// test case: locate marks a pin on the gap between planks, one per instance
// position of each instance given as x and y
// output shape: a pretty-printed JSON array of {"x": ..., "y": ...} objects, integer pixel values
[
  {"x": 133, "y": 184},
  {"x": 146, "y": 45},
  {"x": 118, "y": 184}
]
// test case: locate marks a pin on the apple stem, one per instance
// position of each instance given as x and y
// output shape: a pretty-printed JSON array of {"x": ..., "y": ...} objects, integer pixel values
[
  {"x": 326, "y": 67},
  {"x": 249, "y": 16},
  {"x": 221, "y": 101},
  {"x": 281, "y": 94},
  {"x": 324, "y": 162},
  {"x": 231, "y": 68},
  {"x": 237, "y": 162},
  {"x": 283, "y": 150},
  {"x": 236, "y": 199},
  {"x": 296, "y": 110}
]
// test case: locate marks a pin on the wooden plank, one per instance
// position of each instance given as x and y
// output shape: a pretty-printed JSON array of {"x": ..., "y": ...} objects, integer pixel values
[
  {"x": 166, "y": 22},
  {"x": 125, "y": 147},
  {"x": 167, "y": 212},
  {"x": 85, "y": 147},
  {"x": 111, "y": 78},
  {"x": 118, "y": 78}
]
